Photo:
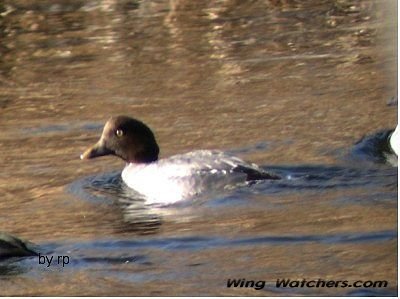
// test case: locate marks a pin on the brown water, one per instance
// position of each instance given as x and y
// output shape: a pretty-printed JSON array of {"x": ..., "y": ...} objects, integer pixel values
[{"x": 285, "y": 84}]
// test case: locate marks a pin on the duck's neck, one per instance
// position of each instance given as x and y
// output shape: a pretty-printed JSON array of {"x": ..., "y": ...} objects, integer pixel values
[
  {"x": 146, "y": 155},
  {"x": 143, "y": 159}
]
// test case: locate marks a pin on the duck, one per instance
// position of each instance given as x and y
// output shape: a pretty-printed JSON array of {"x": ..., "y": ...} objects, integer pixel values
[
  {"x": 395, "y": 141},
  {"x": 380, "y": 147},
  {"x": 173, "y": 179},
  {"x": 11, "y": 246}
]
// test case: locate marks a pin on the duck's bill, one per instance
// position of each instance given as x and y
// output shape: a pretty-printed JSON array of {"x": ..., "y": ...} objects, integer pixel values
[{"x": 96, "y": 150}]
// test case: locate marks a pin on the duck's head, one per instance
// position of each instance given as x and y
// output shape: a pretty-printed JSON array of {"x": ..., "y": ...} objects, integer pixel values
[{"x": 127, "y": 138}]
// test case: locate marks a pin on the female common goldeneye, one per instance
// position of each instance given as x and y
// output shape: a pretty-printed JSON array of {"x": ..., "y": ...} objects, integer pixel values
[{"x": 172, "y": 179}]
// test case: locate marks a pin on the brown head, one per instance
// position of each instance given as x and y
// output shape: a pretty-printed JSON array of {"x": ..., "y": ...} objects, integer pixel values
[{"x": 127, "y": 138}]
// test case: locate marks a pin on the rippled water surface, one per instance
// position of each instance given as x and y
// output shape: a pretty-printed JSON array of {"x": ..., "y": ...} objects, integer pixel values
[{"x": 290, "y": 85}]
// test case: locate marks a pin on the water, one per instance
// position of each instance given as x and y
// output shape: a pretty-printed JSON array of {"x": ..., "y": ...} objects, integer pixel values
[{"x": 290, "y": 85}]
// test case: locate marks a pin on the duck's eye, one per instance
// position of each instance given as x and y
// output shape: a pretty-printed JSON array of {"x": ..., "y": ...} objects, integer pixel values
[{"x": 119, "y": 132}]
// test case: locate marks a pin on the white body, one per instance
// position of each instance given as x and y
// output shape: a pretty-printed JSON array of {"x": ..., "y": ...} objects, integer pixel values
[
  {"x": 395, "y": 141},
  {"x": 185, "y": 176}
]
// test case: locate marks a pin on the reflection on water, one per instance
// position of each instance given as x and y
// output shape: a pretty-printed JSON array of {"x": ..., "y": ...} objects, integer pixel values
[{"x": 284, "y": 83}]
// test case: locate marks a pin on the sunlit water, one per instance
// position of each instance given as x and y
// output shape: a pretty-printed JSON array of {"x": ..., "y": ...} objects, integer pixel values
[{"x": 290, "y": 85}]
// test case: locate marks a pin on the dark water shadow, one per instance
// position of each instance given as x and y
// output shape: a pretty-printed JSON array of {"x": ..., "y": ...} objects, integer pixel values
[
  {"x": 323, "y": 178},
  {"x": 364, "y": 292},
  {"x": 111, "y": 251},
  {"x": 270, "y": 287},
  {"x": 199, "y": 242}
]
